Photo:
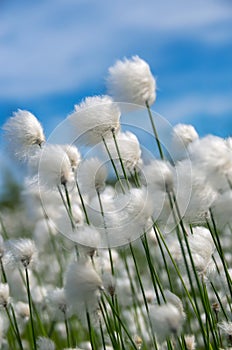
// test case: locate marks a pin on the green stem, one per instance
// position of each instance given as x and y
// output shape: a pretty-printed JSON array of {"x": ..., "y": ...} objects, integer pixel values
[
  {"x": 134, "y": 294},
  {"x": 69, "y": 205},
  {"x": 216, "y": 239},
  {"x": 3, "y": 228},
  {"x": 3, "y": 271},
  {"x": 116, "y": 325},
  {"x": 82, "y": 202},
  {"x": 219, "y": 301},
  {"x": 31, "y": 309},
  {"x": 209, "y": 314},
  {"x": 155, "y": 131},
  {"x": 120, "y": 159},
  {"x": 67, "y": 330},
  {"x": 91, "y": 337},
  {"x": 114, "y": 166},
  {"x": 179, "y": 213},
  {"x": 169, "y": 344},
  {"x": 44, "y": 333},
  {"x": 218, "y": 328},
  {"x": 121, "y": 322},
  {"x": 14, "y": 328},
  {"x": 163, "y": 258},
  {"x": 133, "y": 178},
  {"x": 109, "y": 328},
  {"x": 102, "y": 336},
  {"x": 136, "y": 176},
  {"x": 203, "y": 292},
  {"x": 51, "y": 329},
  {"x": 153, "y": 268},
  {"x": 66, "y": 207},
  {"x": 105, "y": 227},
  {"x": 42, "y": 329},
  {"x": 143, "y": 294},
  {"x": 216, "y": 265},
  {"x": 194, "y": 306}
]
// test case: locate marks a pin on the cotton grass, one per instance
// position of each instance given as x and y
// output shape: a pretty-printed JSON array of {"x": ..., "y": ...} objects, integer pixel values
[{"x": 107, "y": 248}]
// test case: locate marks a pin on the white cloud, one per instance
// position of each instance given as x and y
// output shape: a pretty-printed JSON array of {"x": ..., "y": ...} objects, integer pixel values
[
  {"x": 188, "y": 106},
  {"x": 179, "y": 14},
  {"x": 57, "y": 45},
  {"x": 42, "y": 55}
]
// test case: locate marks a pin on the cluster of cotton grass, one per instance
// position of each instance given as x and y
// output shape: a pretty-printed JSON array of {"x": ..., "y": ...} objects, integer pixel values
[{"x": 140, "y": 259}]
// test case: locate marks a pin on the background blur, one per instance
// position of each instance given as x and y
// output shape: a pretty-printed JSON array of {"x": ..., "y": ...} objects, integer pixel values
[{"x": 53, "y": 53}]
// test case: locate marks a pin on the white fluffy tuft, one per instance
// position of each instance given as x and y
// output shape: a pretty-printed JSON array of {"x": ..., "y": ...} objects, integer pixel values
[
  {"x": 54, "y": 167},
  {"x": 129, "y": 149},
  {"x": 23, "y": 132},
  {"x": 82, "y": 283},
  {"x": 95, "y": 118},
  {"x": 131, "y": 81}
]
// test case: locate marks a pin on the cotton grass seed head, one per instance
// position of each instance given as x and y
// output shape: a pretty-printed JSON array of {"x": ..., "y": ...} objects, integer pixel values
[
  {"x": 194, "y": 194},
  {"x": 202, "y": 248},
  {"x": 22, "y": 251},
  {"x": 174, "y": 300},
  {"x": 23, "y": 132},
  {"x": 226, "y": 328},
  {"x": 212, "y": 152},
  {"x": 131, "y": 81},
  {"x": 109, "y": 283},
  {"x": 185, "y": 134},
  {"x": 190, "y": 342},
  {"x": 158, "y": 175},
  {"x": 129, "y": 149},
  {"x": 4, "y": 294},
  {"x": 91, "y": 176},
  {"x": 213, "y": 156},
  {"x": 221, "y": 209},
  {"x": 125, "y": 218},
  {"x": 82, "y": 283},
  {"x": 22, "y": 310},
  {"x": 166, "y": 320},
  {"x": 182, "y": 136},
  {"x": 88, "y": 238},
  {"x": 94, "y": 118},
  {"x": 73, "y": 155},
  {"x": 57, "y": 301},
  {"x": 54, "y": 167}
]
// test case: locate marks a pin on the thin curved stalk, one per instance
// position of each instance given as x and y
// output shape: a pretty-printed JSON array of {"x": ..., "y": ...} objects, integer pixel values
[
  {"x": 105, "y": 227},
  {"x": 121, "y": 322},
  {"x": 31, "y": 309},
  {"x": 66, "y": 206},
  {"x": 67, "y": 331},
  {"x": 120, "y": 159},
  {"x": 14, "y": 328},
  {"x": 155, "y": 131},
  {"x": 82, "y": 202},
  {"x": 113, "y": 165}
]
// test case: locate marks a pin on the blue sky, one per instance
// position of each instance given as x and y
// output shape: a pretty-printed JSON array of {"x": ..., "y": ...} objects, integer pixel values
[{"x": 53, "y": 53}]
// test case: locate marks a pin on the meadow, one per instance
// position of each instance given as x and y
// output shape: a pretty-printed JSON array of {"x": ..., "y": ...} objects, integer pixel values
[{"x": 108, "y": 249}]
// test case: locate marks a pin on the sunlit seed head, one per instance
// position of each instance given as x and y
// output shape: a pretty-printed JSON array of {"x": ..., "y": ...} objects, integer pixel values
[
  {"x": 94, "y": 119},
  {"x": 131, "y": 81},
  {"x": 4, "y": 294},
  {"x": 23, "y": 251},
  {"x": 23, "y": 131}
]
